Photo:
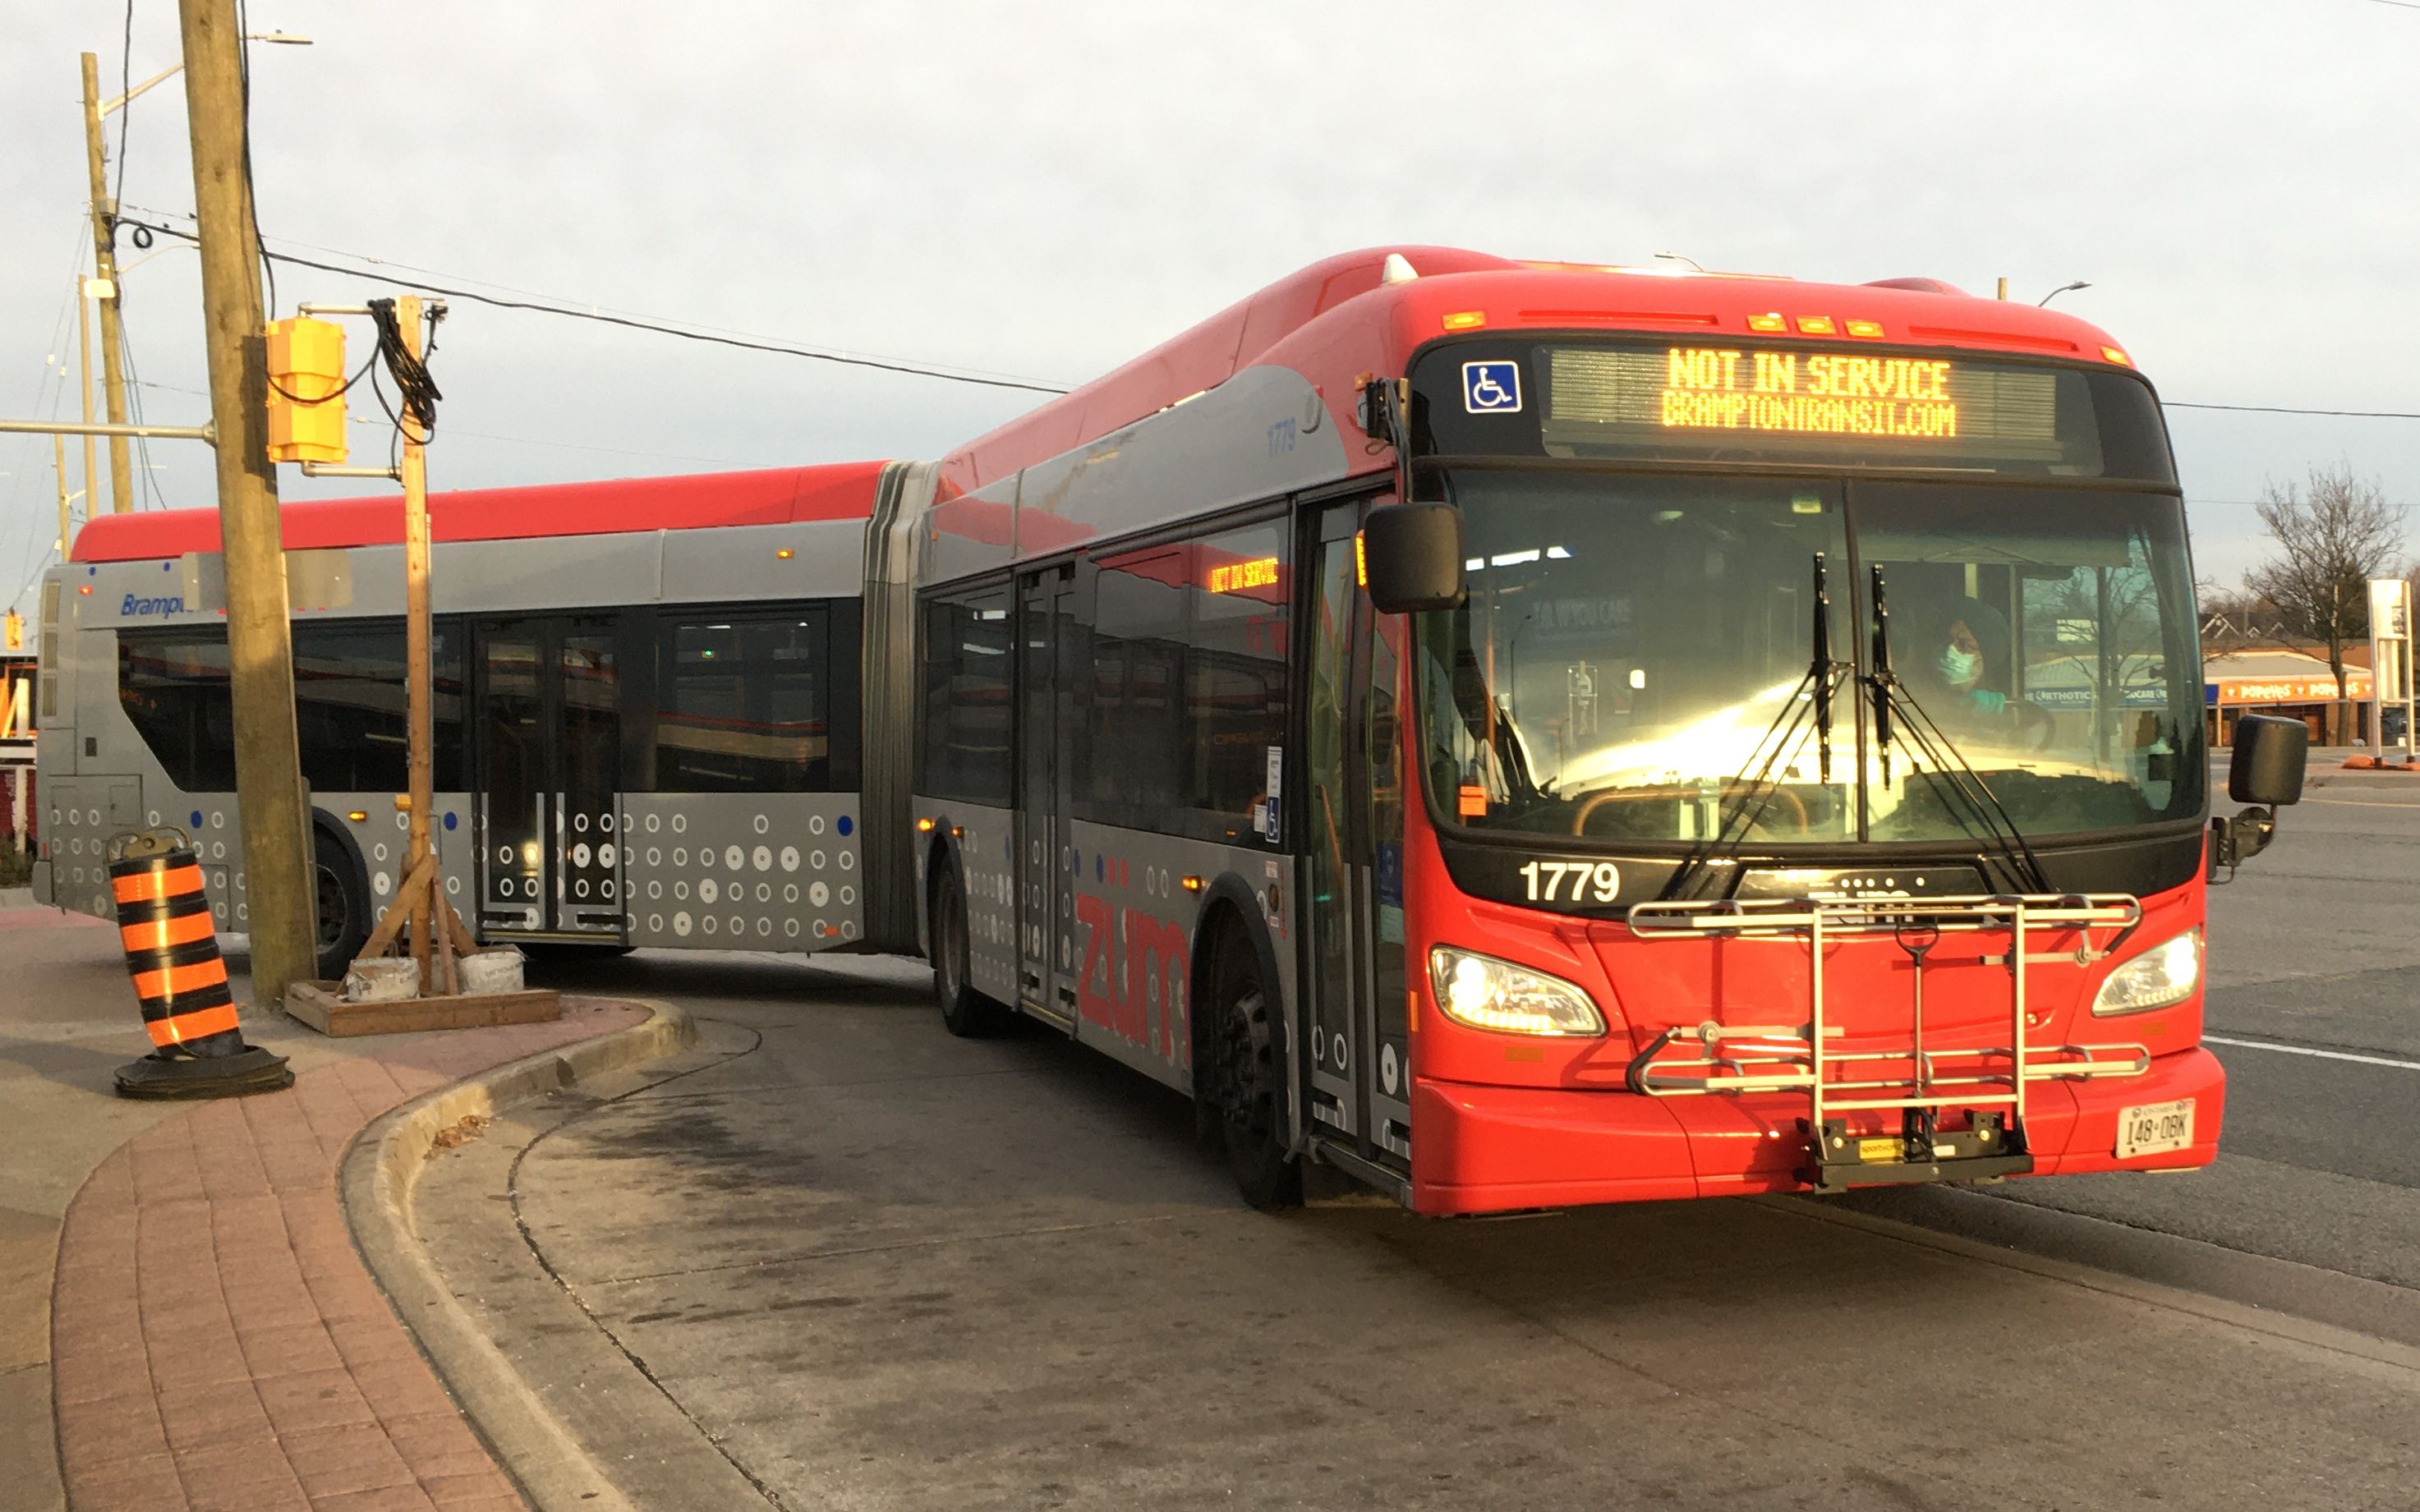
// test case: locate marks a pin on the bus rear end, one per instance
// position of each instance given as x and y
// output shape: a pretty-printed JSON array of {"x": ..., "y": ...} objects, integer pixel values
[{"x": 1812, "y": 775}]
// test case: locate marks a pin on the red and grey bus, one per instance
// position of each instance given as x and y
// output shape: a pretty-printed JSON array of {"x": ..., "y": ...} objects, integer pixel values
[
  {"x": 1527, "y": 734},
  {"x": 652, "y": 725}
]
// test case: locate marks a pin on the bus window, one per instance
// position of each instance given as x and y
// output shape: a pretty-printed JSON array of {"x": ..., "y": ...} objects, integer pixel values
[
  {"x": 966, "y": 699},
  {"x": 173, "y": 688},
  {"x": 1137, "y": 703},
  {"x": 349, "y": 706},
  {"x": 1235, "y": 686},
  {"x": 744, "y": 704}
]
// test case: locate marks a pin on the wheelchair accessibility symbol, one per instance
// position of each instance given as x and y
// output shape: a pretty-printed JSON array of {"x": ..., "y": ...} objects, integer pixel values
[{"x": 1491, "y": 387}]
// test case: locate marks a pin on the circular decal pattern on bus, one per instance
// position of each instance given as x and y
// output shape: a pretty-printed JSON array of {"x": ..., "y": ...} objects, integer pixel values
[
  {"x": 379, "y": 884},
  {"x": 848, "y": 860},
  {"x": 790, "y": 893},
  {"x": 680, "y": 823},
  {"x": 789, "y": 858},
  {"x": 654, "y": 822},
  {"x": 819, "y": 894},
  {"x": 814, "y": 823},
  {"x": 681, "y": 924},
  {"x": 764, "y": 892},
  {"x": 763, "y": 823},
  {"x": 579, "y": 823},
  {"x": 762, "y": 857},
  {"x": 847, "y": 896},
  {"x": 733, "y": 856},
  {"x": 708, "y": 891},
  {"x": 605, "y": 855},
  {"x": 1387, "y": 1068},
  {"x": 580, "y": 853},
  {"x": 816, "y": 861}
]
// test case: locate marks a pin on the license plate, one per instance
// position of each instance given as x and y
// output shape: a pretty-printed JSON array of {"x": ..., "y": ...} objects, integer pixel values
[{"x": 2154, "y": 1128}]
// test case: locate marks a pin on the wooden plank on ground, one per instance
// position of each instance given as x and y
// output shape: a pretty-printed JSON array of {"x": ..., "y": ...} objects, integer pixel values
[{"x": 318, "y": 1005}]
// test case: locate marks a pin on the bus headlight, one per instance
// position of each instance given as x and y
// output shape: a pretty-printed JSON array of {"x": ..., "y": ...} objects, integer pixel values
[
  {"x": 2161, "y": 975},
  {"x": 1488, "y": 994}
]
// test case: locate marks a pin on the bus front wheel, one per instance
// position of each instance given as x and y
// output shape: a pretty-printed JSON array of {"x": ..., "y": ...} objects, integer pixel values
[
  {"x": 965, "y": 1012},
  {"x": 343, "y": 899},
  {"x": 1248, "y": 1076}
]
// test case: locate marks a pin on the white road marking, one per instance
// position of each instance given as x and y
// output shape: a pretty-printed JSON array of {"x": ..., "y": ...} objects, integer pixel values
[
  {"x": 2322, "y": 1055},
  {"x": 2364, "y": 803}
]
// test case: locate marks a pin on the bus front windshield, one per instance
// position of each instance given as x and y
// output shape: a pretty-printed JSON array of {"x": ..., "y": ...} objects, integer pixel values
[{"x": 1637, "y": 661}]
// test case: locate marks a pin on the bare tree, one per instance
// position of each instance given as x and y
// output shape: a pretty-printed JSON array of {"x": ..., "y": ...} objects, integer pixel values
[{"x": 2331, "y": 538}]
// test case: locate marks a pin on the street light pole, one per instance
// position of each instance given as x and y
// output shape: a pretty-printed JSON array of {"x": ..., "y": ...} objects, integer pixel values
[
  {"x": 279, "y": 878},
  {"x": 104, "y": 269}
]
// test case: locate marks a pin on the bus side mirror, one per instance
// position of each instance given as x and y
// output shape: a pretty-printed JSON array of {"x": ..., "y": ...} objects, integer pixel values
[
  {"x": 2265, "y": 769},
  {"x": 1411, "y": 557},
  {"x": 2269, "y": 756}
]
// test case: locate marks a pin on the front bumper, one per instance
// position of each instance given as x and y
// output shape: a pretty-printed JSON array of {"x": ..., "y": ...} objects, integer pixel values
[{"x": 1479, "y": 1149}]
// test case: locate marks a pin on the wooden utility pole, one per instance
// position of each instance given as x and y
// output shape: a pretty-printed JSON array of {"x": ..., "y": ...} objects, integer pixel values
[
  {"x": 104, "y": 272},
  {"x": 84, "y": 383},
  {"x": 416, "y": 657},
  {"x": 277, "y": 848}
]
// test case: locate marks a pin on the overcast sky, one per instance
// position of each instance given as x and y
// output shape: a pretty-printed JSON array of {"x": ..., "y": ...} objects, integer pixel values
[{"x": 1047, "y": 189}]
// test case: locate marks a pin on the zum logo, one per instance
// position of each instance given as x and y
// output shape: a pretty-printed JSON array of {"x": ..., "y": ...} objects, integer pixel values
[
  {"x": 134, "y": 604},
  {"x": 1130, "y": 977}
]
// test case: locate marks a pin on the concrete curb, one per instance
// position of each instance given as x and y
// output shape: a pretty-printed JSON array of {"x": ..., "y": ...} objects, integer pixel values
[{"x": 375, "y": 1183}]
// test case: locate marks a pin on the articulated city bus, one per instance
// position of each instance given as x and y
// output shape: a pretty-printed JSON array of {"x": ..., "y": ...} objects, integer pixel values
[
  {"x": 651, "y": 723},
  {"x": 1786, "y": 771}
]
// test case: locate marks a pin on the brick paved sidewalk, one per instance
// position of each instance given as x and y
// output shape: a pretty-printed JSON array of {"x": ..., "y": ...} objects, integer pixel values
[{"x": 215, "y": 1340}]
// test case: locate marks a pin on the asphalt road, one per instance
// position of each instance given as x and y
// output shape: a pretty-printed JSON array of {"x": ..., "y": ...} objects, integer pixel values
[
  {"x": 836, "y": 1258},
  {"x": 2314, "y": 1005}
]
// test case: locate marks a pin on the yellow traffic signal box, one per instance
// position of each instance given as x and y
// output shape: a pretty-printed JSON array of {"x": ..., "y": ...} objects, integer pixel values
[{"x": 306, "y": 381}]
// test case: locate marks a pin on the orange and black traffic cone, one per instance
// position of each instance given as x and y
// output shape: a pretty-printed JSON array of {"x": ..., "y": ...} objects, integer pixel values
[{"x": 171, "y": 951}]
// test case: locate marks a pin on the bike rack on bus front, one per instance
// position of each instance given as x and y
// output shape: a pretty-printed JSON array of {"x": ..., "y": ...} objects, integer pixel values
[{"x": 1750, "y": 1058}]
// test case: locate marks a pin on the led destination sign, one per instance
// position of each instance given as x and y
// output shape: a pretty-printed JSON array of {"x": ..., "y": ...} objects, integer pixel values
[
  {"x": 1810, "y": 394},
  {"x": 1704, "y": 400},
  {"x": 1709, "y": 388}
]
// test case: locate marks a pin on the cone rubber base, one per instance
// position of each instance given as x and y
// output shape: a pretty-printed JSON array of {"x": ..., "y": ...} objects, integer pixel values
[{"x": 248, "y": 1070}]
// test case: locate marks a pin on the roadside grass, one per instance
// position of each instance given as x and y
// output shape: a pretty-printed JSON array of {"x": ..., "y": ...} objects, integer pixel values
[{"x": 16, "y": 867}]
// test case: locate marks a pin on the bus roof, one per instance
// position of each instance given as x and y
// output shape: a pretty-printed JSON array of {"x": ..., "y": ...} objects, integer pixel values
[
  {"x": 773, "y": 495},
  {"x": 1338, "y": 318}
]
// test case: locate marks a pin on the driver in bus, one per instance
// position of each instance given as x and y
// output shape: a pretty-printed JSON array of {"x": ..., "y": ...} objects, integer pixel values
[{"x": 1961, "y": 671}]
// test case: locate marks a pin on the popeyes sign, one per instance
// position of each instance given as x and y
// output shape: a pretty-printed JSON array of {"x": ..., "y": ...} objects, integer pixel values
[{"x": 2291, "y": 690}]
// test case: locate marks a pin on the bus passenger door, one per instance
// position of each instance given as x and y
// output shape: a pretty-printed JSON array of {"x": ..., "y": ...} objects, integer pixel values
[
  {"x": 1046, "y": 915},
  {"x": 1353, "y": 1051},
  {"x": 548, "y": 733}
]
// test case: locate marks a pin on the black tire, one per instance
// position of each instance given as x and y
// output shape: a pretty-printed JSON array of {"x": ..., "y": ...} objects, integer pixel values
[
  {"x": 1246, "y": 1083},
  {"x": 965, "y": 1012},
  {"x": 342, "y": 900}
]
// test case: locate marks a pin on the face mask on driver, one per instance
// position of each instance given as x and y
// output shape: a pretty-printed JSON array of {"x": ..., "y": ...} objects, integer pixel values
[{"x": 1957, "y": 668}]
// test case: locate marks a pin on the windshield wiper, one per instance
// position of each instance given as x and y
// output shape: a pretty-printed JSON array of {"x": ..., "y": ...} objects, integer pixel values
[
  {"x": 1931, "y": 744},
  {"x": 1822, "y": 677}
]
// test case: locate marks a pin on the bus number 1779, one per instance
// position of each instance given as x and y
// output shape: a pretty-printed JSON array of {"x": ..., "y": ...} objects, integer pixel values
[{"x": 1545, "y": 880}]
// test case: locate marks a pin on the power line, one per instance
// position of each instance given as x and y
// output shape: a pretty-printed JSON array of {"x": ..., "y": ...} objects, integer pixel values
[
  {"x": 2289, "y": 410},
  {"x": 588, "y": 306},
  {"x": 635, "y": 323},
  {"x": 125, "y": 92}
]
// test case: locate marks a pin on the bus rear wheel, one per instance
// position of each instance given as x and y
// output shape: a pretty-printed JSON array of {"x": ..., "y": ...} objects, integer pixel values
[
  {"x": 1247, "y": 1077},
  {"x": 965, "y": 1012}
]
